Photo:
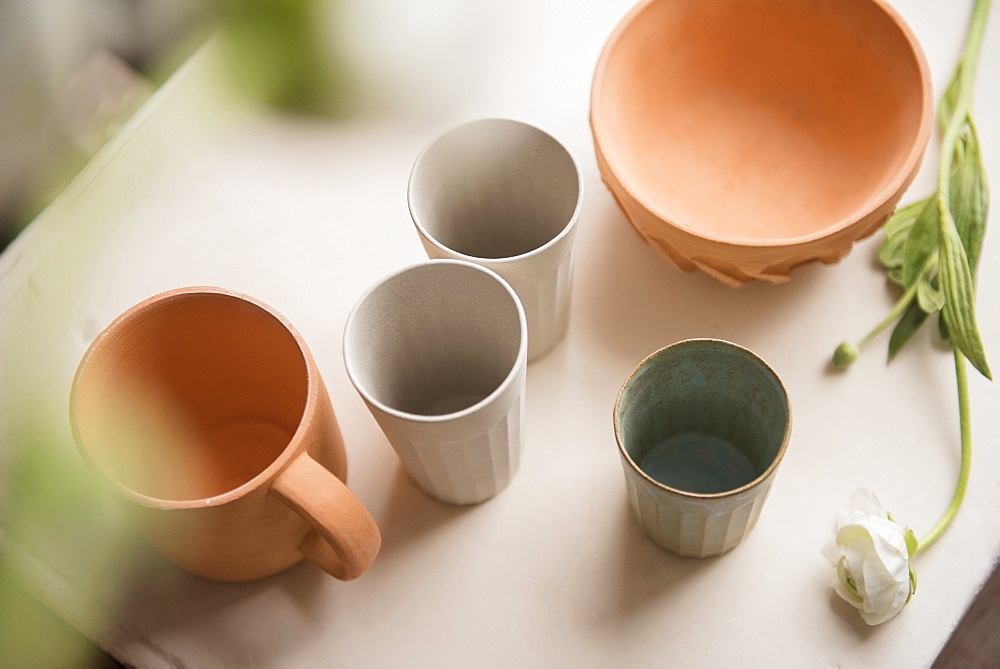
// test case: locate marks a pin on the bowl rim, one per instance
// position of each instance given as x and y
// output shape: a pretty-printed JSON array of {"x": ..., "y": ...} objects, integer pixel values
[{"x": 878, "y": 200}]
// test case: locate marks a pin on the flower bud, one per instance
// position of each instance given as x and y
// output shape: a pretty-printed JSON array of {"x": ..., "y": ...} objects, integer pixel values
[
  {"x": 871, "y": 558},
  {"x": 845, "y": 354}
]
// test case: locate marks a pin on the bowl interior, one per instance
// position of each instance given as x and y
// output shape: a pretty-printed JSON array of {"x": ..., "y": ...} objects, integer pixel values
[{"x": 761, "y": 119}]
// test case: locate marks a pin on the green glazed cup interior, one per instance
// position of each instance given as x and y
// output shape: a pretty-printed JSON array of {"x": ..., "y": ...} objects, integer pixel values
[{"x": 703, "y": 417}]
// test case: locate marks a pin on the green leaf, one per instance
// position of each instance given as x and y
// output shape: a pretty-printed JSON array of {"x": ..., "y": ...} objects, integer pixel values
[
  {"x": 896, "y": 276},
  {"x": 929, "y": 297},
  {"x": 943, "y": 328},
  {"x": 920, "y": 242},
  {"x": 911, "y": 542},
  {"x": 906, "y": 327},
  {"x": 903, "y": 218},
  {"x": 891, "y": 252},
  {"x": 959, "y": 306},
  {"x": 969, "y": 194},
  {"x": 896, "y": 230}
]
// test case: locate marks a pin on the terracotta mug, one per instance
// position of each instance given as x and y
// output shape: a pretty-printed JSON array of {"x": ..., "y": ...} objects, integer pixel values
[{"x": 207, "y": 413}]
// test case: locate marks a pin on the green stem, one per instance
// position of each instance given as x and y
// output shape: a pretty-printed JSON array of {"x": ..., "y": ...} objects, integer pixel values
[
  {"x": 968, "y": 63},
  {"x": 897, "y": 311},
  {"x": 903, "y": 303},
  {"x": 963, "y": 472},
  {"x": 963, "y": 105}
]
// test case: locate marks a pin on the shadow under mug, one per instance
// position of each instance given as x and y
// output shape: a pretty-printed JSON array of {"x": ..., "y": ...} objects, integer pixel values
[
  {"x": 207, "y": 413},
  {"x": 701, "y": 427}
]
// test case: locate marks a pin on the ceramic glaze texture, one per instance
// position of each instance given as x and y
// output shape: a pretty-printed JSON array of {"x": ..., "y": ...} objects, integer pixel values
[
  {"x": 438, "y": 352},
  {"x": 505, "y": 195},
  {"x": 701, "y": 427},
  {"x": 746, "y": 137},
  {"x": 208, "y": 414}
]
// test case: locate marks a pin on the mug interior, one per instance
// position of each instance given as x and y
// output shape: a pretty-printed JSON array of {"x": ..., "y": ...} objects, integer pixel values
[
  {"x": 494, "y": 188},
  {"x": 190, "y": 396},
  {"x": 703, "y": 417},
  {"x": 434, "y": 339}
]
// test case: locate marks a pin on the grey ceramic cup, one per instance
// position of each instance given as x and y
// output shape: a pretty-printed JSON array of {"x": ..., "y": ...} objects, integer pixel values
[
  {"x": 505, "y": 195},
  {"x": 438, "y": 352},
  {"x": 701, "y": 427}
]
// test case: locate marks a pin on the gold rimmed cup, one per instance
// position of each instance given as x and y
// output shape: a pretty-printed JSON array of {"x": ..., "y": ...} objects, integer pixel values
[{"x": 701, "y": 426}]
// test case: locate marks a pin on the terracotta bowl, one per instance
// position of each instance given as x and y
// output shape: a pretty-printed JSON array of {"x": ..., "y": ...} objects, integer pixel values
[{"x": 747, "y": 137}]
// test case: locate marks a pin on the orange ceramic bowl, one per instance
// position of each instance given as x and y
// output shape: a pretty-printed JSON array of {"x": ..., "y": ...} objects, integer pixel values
[{"x": 747, "y": 137}]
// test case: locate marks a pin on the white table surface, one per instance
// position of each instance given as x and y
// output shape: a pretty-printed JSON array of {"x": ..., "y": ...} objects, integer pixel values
[{"x": 305, "y": 214}]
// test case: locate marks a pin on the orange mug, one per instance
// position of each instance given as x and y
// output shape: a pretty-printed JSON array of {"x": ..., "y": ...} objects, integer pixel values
[{"x": 206, "y": 412}]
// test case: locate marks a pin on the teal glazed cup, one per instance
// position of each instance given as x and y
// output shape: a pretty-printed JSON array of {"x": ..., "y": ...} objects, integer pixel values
[{"x": 701, "y": 427}]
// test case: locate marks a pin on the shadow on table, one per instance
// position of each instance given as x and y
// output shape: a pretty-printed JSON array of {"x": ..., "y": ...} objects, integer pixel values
[
  {"x": 849, "y": 617},
  {"x": 648, "y": 573},
  {"x": 165, "y": 603},
  {"x": 410, "y": 514},
  {"x": 625, "y": 282}
]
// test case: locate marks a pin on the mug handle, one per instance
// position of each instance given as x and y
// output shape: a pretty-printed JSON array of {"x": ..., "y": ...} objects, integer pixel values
[{"x": 345, "y": 538}]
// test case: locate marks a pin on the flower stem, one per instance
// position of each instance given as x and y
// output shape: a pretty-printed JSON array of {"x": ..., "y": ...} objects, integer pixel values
[
  {"x": 903, "y": 303},
  {"x": 897, "y": 311},
  {"x": 963, "y": 474},
  {"x": 963, "y": 105}
]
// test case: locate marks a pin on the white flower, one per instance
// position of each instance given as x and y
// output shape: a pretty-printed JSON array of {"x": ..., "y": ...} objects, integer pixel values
[{"x": 871, "y": 553}]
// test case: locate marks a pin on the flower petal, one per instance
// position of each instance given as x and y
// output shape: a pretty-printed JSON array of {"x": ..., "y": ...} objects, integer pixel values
[
  {"x": 842, "y": 586},
  {"x": 831, "y": 551},
  {"x": 890, "y": 545},
  {"x": 884, "y": 596},
  {"x": 863, "y": 502},
  {"x": 855, "y": 543}
]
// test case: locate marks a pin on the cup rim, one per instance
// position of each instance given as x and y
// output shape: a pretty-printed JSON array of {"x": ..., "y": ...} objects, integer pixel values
[
  {"x": 291, "y": 450},
  {"x": 520, "y": 360},
  {"x": 564, "y": 232},
  {"x": 763, "y": 476}
]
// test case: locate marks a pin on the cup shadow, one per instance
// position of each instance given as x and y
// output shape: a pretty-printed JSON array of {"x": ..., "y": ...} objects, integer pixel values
[
  {"x": 410, "y": 514},
  {"x": 622, "y": 280},
  {"x": 647, "y": 572}
]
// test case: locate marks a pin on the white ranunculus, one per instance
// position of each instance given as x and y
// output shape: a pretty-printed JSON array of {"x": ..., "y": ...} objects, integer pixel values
[{"x": 871, "y": 553}]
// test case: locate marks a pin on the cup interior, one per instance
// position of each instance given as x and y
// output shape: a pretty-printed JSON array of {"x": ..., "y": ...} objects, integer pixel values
[
  {"x": 434, "y": 339},
  {"x": 190, "y": 396},
  {"x": 703, "y": 417},
  {"x": 494, "y": 188}
]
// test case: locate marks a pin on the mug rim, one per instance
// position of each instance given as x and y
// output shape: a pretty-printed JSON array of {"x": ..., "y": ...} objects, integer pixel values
[
  {"x": 291, "y": 450},
  {"x": 564, "y": 232},
  {"x": 520, "y": 359},
  {"x": 756, "y": 481}
]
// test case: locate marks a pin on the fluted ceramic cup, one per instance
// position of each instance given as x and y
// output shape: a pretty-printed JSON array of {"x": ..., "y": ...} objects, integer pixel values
[
  {"x": 438, "y": 353},
  {"x": 701, "y": 427},
  {"x": 207, "y": 413},
  {"x": 505, "y": 195}
]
